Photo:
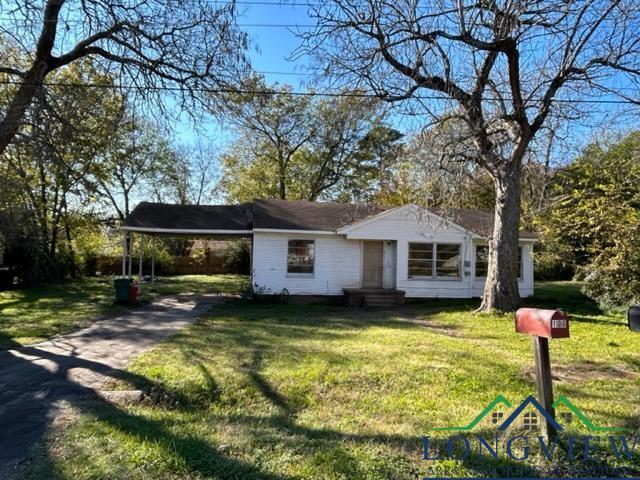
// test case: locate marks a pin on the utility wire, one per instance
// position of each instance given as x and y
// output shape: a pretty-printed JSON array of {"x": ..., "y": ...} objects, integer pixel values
[{"x": 355, "y": 94}]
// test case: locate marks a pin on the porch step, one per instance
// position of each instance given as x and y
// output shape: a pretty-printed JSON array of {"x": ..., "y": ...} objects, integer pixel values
[
  {"x": 373, "y": 298},
  {"x": 379, "y": 302}
]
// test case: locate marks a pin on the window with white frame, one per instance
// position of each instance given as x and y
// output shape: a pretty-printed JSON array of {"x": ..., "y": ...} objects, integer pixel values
[
  {"x": 482, "y": 261},
  {"x": 300, "y": 256},
  {"x": 420, "y": 260},
  {"x": 448, "y": 260},
  {"x": 434, "y": 260}
]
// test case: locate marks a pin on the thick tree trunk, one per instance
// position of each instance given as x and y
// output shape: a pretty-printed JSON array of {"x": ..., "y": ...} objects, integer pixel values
[
  {"x": 282, "y": 186},
  {"x": 11, "y": 122},
  {"x": 501, "y": 288},
  {"x": 34, "y": 77}
]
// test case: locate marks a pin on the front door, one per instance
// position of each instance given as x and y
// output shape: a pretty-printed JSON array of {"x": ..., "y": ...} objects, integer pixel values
[{"x": 371, "y": 264}]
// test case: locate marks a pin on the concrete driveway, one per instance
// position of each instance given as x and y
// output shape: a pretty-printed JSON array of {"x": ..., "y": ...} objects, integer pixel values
[{"x": 35, "y": 379}]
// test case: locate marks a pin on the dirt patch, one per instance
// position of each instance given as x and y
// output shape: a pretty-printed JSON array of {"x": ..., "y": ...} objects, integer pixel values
[{"x": 585, "y": 371}]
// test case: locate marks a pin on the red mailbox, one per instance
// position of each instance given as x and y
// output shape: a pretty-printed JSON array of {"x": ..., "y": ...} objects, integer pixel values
[{"x": 542, "y": 323}]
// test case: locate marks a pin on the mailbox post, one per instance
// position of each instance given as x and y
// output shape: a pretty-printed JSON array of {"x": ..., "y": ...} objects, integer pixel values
[{"x": 543, "y": 325}]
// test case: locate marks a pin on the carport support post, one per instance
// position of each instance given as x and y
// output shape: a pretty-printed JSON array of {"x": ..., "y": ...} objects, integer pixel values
[
  {"x": 140, "y": 263},
  {"x": 153, "y": 260},
  {"x": 251, "y": 265},
  {"x": 124, "y": 253},
  {"x": 544, "y": 381},
  {"x": 130, "y": 252}
]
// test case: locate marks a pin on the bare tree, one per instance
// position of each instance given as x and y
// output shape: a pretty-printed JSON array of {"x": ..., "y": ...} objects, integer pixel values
[
  {"x": 501, "y": 67},
  {"x": 154, "y": 45}
]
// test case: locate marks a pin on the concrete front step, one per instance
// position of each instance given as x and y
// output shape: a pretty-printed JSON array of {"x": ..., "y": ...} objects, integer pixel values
[
  {"x": 379, "y": 304},
  {"x": 361, "y": 297}
]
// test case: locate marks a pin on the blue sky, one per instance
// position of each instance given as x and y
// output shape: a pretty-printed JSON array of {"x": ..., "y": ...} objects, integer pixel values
[
  {"x": 270, "y": 51},
  {"x": 272, "y": 47}
]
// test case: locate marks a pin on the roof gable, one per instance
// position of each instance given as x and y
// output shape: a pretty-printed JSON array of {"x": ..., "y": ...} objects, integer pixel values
[{"x": 415, "y": 212}]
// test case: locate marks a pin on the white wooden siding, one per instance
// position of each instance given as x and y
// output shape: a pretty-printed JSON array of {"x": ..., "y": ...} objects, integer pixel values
[
  {"x": 338, "y": 258},
  {"x": 407, "y": 225},
  {"x": 337, "y": 264}
]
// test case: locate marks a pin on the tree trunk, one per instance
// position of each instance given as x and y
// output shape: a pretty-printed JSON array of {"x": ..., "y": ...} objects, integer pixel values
[
  {"x": 501, "y": 287},
  {"x": 282, "y": 186},
  {"x": 34, "y": 77},
  {"x": 15, "y": 113}
]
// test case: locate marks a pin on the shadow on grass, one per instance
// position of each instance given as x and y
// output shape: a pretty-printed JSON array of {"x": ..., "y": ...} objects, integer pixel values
[
  {"x": 273, "y": 327},
  {"x": 564, "y": 295},
  {"x": 483, "y": 465},
  {"x": 197, "y": 455}
]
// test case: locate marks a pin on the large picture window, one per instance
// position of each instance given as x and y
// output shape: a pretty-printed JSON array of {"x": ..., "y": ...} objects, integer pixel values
[
  {"x": 420, "y": 260},
  {"x": 434, "y": 260},
  {"x": 447, "y": 260},
  {"x": 482, "y": 261},
  {"x": 300, "y": 256}
]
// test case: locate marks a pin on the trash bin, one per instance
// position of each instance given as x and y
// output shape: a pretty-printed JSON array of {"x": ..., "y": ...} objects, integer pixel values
[
  {"x": 122, "y": 285},
  {"x": 133, "y": 293}
]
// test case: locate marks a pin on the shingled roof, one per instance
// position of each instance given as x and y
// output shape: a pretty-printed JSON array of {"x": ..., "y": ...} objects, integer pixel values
[
  {"x": 164, "y": 216},
  {"x": 282, "y": 215},
  {"x": 305, "y": 215},
  {"x": 476, "y": 220}
]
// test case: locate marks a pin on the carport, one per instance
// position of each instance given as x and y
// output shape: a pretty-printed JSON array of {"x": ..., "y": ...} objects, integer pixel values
[{"x": 221, "y": 222}]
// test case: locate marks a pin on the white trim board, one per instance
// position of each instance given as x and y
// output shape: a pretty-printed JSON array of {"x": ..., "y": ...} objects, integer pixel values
[
  {"x": 178, "y": 231},
  {"x": 300, "y": 232}
]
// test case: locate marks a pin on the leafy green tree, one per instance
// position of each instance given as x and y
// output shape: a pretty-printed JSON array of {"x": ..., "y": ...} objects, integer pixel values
[
  {"x": 131, "y": 161},
  {"x": 46, "y": 171},
  {"x": 236, "y": 257},
  {"x": 350, "y": 151},
  {"x": 81, "y": 155},
  {"x": 187, "y": 176},
  {"x": 273, "y": 126},
  {"x": 596, "y": 218},
  {"x": 296, "y": 147}
]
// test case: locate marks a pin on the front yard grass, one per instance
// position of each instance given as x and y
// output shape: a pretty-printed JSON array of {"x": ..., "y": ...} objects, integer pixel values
[
  {"x": 32, "y": 315},
  {"x": 284, "y": 391}
]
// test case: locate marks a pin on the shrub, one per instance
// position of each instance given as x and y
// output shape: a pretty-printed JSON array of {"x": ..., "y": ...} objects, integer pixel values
[
  {"x": 596, "y": 215},
  {"x": 552, "y": 261},
  {"x": 613, "y": 277},
  {"x": 236, "y": 257}
]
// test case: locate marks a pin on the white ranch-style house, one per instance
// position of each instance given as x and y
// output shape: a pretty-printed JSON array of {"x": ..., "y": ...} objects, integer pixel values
[{"x": 324, "y": 250}]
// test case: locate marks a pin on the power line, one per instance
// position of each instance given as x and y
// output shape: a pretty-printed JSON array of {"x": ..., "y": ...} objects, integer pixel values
[
  {"x": 272, "y": 3},
  {"x": 288, "y": 93},
  {"x": 243, "y": 25}
]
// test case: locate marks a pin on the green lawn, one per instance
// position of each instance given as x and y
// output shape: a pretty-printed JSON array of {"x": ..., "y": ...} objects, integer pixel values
[
  {"x": 273, "y": 391},
  {"x": 31, "y": 315}
]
